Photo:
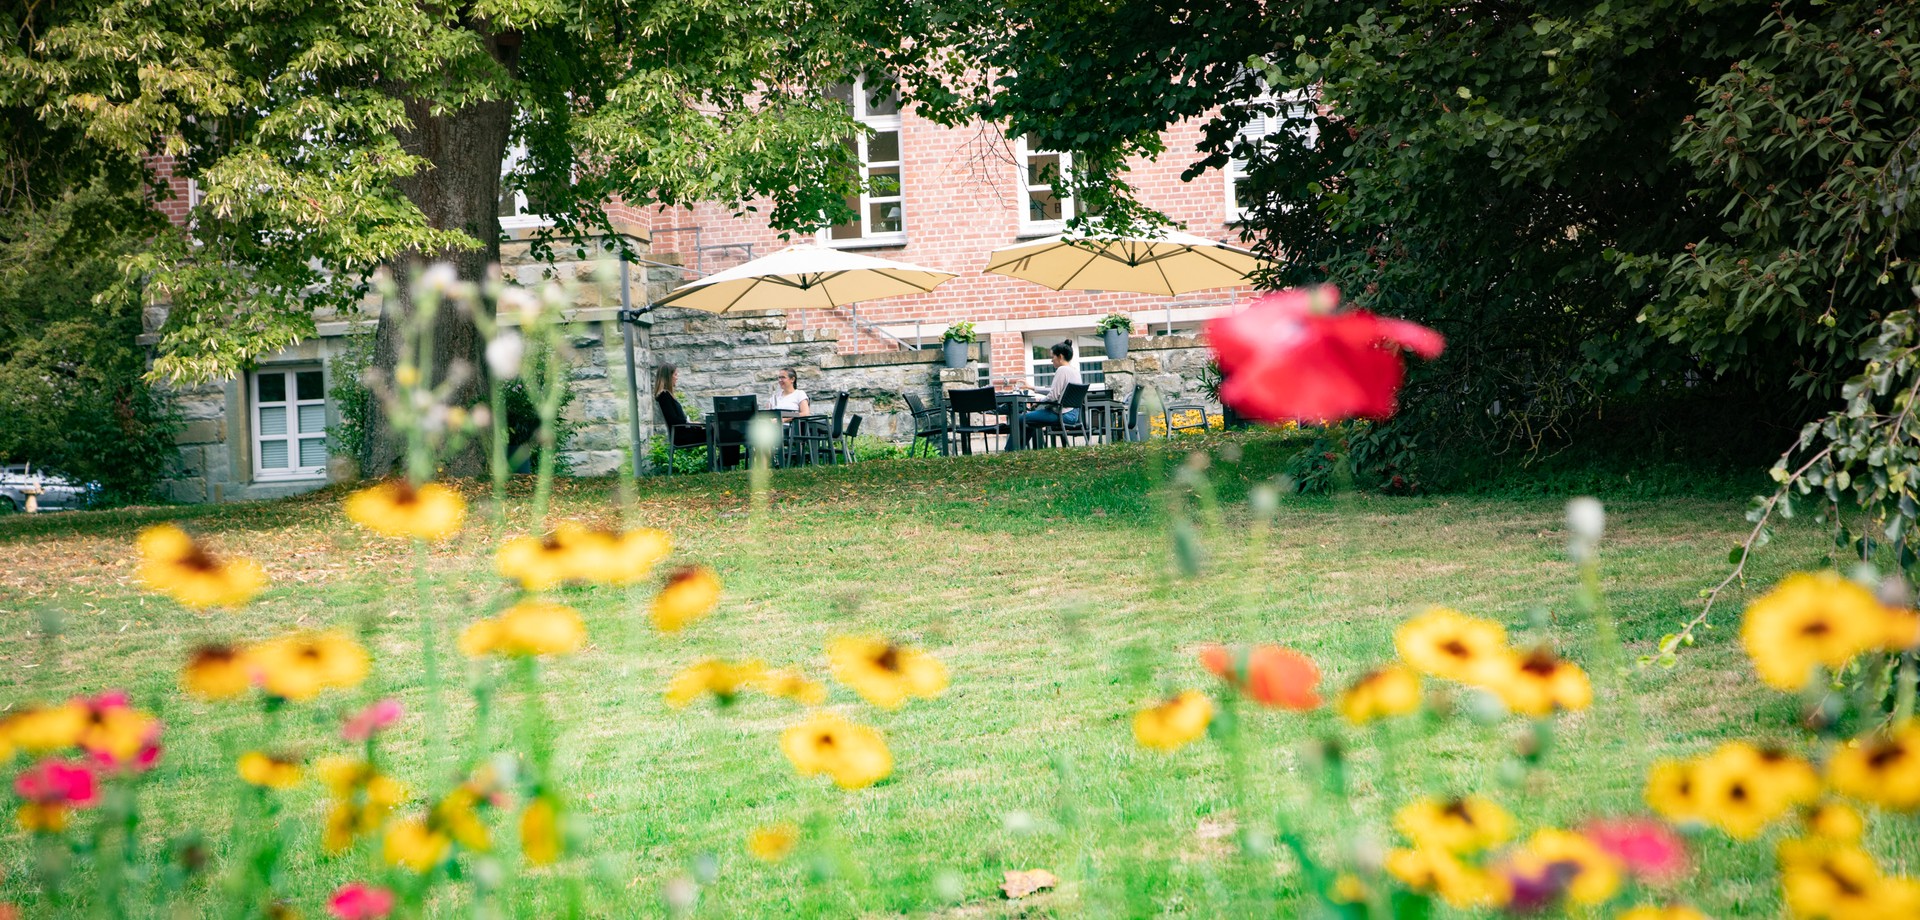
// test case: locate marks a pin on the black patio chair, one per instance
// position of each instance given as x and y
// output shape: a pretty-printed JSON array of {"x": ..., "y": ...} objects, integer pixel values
[
  {"x": 929, "y": 426},
  {"x": 1124, "y": 423},
  {"x": 681, "y": 434},
  {"x": 1185, "y": 412},
  {"x": 1075, "y": 397},
  {"x": 812, "y": 440},
  {"x": 727, "y": 430},
  {"x": 967, "y": 405},
  {"x": 846, "y": 439}
]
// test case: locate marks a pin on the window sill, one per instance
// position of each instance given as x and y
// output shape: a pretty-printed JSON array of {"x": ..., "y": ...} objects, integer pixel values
[
  {"x": 316, "y": 476},
  {"x": 1036, "y": 231},
  {"x": 868, "y": 242}
]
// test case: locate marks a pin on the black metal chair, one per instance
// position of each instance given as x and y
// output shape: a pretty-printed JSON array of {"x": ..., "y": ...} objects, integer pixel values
[
  {"x": 1074, "y": 398},
  {"x": 964, "y": 406},
  {"x": 1185, "y": 412},
  {"x": 727, "y": 430},
  {"x": 812, "y": 440},
  {"x": 846, "y": 438},
  {"x": 681, "y": 433},
  {"x": 929, "y": 426},
  {"x": 1125, "y": 423}
]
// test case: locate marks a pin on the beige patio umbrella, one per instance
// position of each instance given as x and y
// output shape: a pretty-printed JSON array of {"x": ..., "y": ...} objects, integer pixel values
[
  {"x": 804, "y": 278},
  {"x": 1167, "y": 262}
]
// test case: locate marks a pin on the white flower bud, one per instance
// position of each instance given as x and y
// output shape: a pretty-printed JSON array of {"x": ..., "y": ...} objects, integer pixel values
[
  {"x": 1586, "y": 518},
  {"x": 515, "y": 298},
  {"x": 504, "y": 354},
  {"x": 439, "y": 278},
  {"x": 763, "y": 433}
]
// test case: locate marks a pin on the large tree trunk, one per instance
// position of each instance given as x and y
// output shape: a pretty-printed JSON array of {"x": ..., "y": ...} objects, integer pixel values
[{"x": 460, "y": 191}]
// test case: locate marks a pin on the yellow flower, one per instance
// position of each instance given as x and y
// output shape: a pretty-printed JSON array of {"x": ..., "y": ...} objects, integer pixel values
[
  {"x": 1438, "y": 872},
  {"x": 792, "y": 684},
  {"x": 47, "y": 728},
  {"x": 690, "y": 593},
  {"x": 1594, "y": 874},
  {"x": 50, "y": 817},
  {"x": 1672, "y": 791},
  {"x": 1393, "y": 690},
  {"x": 217, "y": 672},
  {"x": 884, "y": 673},
  {"x": 1538, "y": 683},
  {"x": 173, "y": 564},
  {"x": 527, "y": 628},
  {"x": 299, "y": 666},
  {"x": 116, "y": 731},
  {"x": 1883, "y": 769},
  {"x": 269, "y": 771},
  {"x": 540, "y": 831},
  {"x": 723, "y": 679},
  {"x": 397, "y": 509},
  {"x": 1667, "y": 912},
  {"x": 1741, "y": 789},
  {"x": 1835, "y": 821},
  {"x": 539, "y": 563},
  {"x": 774, "y": 842},
  {"x": 855, "y": 756},
  {"x": 362, "y": 797},
  {"x": 458, "y": 814},
  {"x": 415, "y": 846},
  {"x": 1460, "y": 826},
  {"x": 1447, "y": 643},
  {"x": 1174, "y": 723},
  {"x": 1826, "y": 879},
  {"x": 626, "y": 558},
  {"x": 1811, "y": 619}
]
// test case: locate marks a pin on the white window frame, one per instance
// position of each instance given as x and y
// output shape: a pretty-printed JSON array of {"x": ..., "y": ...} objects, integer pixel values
[
  {"x": 294, "y": 433},
  {"x": 1039, "y": 351},
  {"x": 1290, "y": 107},
  {"x": 875, "y": 124},
  {"x": 1023, "y": 180},
  {"x": 521, "y": 218}
]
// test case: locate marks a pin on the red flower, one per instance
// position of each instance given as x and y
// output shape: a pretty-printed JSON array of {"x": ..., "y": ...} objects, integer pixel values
[
  {"x": 1649, "y": 849},
  {"x": 58, "y": 782},
  {"x": 1288, "y": 356},
  {"x": 1273, "y": 675},
  {"x": 361, "y": 725},
  {"x": 360, "y": 901}
]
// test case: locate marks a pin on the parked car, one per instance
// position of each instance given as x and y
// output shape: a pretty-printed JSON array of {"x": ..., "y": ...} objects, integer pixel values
[{"x": 55, "y": 492}]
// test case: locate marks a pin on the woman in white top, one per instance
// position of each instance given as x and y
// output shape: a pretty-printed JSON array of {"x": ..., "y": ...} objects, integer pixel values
[
  {"x": 1047, "y": 416},
  {"x": 788, "y": 398}
]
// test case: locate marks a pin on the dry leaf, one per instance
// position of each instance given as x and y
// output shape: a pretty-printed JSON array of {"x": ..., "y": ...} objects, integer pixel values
[{"x": 1023, "y": 883}]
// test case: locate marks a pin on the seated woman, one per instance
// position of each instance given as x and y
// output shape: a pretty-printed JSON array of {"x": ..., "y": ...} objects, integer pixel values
[
  {"x": 682, "y": 431},
  {"x": 788, "y": 398},
  {"x": 1049, "y": 414}
]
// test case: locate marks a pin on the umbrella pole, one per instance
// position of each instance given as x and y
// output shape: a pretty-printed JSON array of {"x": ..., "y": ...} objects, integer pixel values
[{"x": 627, "y": 319}]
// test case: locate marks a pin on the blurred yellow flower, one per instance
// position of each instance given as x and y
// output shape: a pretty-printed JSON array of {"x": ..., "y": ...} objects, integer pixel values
[
  {"x": 269, "y": 771},
  {"x": 362, "y": 797},
  {"x": 540, "y": 830},
  {"x": 1741, "y": 789},
  {"x": 773, "y": 842},
  {"x": 1437, "y": 872},
  {"x": 1172, "y": 724},
  {"x": 884, "y": 673},
  {"x": 723, "y": 679},
  {"x": 397, "y": 509},
  {"x": 50, "y": 817},
  {"x": 1461, "y": 826},
  {"x": 1389, "y": 691},
  {"x": 1666, "y": 912},
  {"x": 539, "y": 563},
  {"x": 1537, "y": 683},
  {"x": 792, "y": 684},
  {"x": 1883, "y": 768},
  {"x": 1835, "y": 821},
  {"x": 627, "y": 558},
  {"x": 1826, "y": 879},
  {"x": 174, "y": 564},
  {"x": 1808, "y": 619},
  {"x": 855, "y": 756},
  {"x": 1672, "y": 791},
  {"x": 530, "y": 627},
  {"x": 413, "y": 845},
  {"x": 115, "y": 731},
  {"x": 299, "y": 666},
  {"x": 1591, "y": 874},
  {"x": 217, "y": 672},
  {"x": 690, "y": 593},
  {"x": 47, "y": 728},
  {"x": 1447, "y": 643}
]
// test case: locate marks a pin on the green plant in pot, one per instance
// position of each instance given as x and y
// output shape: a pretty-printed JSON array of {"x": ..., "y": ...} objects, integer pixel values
[
  {"x": 956, "y": 342},
  {"x": 1211, "y": 380},
  {"x": 1114, "y": 328}
]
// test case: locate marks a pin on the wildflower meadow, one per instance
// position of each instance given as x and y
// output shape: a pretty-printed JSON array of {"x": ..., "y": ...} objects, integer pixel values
[{"x": 1137, "y": 680}]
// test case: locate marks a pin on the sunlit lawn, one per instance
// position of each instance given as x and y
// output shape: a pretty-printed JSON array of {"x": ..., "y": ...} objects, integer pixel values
[{"x": 1042, "y": 580}]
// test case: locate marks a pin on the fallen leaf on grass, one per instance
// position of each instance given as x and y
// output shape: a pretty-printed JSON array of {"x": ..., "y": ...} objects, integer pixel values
[{"x": 1019, "y": 884}]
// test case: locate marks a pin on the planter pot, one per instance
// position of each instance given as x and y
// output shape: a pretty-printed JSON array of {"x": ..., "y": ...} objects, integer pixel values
[
  {"x": 1231, "y": 419},
  {"x": 1116, "y": 341},
  {"x": 955, "y": 353}
]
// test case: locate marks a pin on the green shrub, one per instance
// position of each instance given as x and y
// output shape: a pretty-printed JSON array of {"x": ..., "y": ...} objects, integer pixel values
[{"x": 685, "y": 460}]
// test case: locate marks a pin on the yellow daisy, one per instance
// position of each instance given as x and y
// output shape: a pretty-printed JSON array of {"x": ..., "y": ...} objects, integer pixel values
[
  {"x": 855, "y": 756},
  {"x": 1460, "y": 826},
  {"x": 397, "y": 509},
  {"x": 1883, "y": 768},
  {"x": 1438, "y": 872},
  {"x": 299, "y": 666},
  {"x": 1447, "y": 643},
  {"x": 884, "y": 673},
  {"x": 173, "y": 564},
  {"x": 540, "y": 831},
  {"x": 530, "y": 627},
  {"x": 690, "y": 594},
  {"x": 539, "y": 563},
  {"x": 1174, "y": 723},
  {"x": 269, "y": 771},
  {"x": 1393, "y": 690},
  {"x": 44, "y": 729},
  {"x": 792, "y": 684},
  {"x": 1741, "y": 789},
  {"x": 723, "y": 679},
  {"x": 217, "y": 672},
  {"x": 773, "y": 842},
  {"x": 1538, "y": 683},
  {"x": 413, "y": 845},
  {"x": 1594, "y": 875},
  {"x": 625, "y": 558},
  {"x": 1811, "y": 619}
]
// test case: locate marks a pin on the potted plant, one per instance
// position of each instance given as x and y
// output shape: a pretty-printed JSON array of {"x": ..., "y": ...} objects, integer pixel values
[
  {"x": 957, "y": 341},
  {"x": 1210, "y": 382},
  {"x": 1114, "y": 328}
]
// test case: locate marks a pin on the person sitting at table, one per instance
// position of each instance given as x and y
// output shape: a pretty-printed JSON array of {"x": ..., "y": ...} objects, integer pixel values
[
  {"x": 683, "y": 431},
  {"x": 788, "y": 398},
  {"x": 1048, "y": 414}
]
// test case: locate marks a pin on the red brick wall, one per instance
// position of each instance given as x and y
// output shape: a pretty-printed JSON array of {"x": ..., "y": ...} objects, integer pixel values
[
  {"x": 962, "y": 200},
  {"x": 176, "y": 206}
]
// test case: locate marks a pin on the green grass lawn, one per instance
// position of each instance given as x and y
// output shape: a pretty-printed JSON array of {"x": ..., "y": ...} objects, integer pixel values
[{"x": 1045, "y": 583}]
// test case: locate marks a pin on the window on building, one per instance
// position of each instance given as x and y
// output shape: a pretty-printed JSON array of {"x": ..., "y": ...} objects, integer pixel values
[
  {"x": 517, "y": 209},
  {"x": 289, "y": 423},
  {"x": 880, "y": 207},
  {"x": 1089, "y": 358},
  {"x": 1282, "y": 118},
  {"x": 1043, "y": 209}
]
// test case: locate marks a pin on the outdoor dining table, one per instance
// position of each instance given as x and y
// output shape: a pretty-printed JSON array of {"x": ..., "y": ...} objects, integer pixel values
[
  {"x": 1015, "y": 405},
  {"x": 790, "y": 425}
]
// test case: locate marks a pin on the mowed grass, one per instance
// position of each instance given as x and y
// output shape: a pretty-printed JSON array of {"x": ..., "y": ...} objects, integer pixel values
[{"x": 1044, "y": 581}]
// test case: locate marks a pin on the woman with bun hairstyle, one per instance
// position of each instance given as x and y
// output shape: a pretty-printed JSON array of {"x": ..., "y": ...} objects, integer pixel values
[{"x": 1049, "y": 414}]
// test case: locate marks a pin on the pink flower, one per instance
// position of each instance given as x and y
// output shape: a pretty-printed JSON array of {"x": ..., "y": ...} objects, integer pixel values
[
  {"x": 360, "y": 901},
  {"x": 59, "y": 782},
  {"x": 361, "y": 725},
  {"x": 1650, "y": 849},
  {"x": 1289, "y": 356}
]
